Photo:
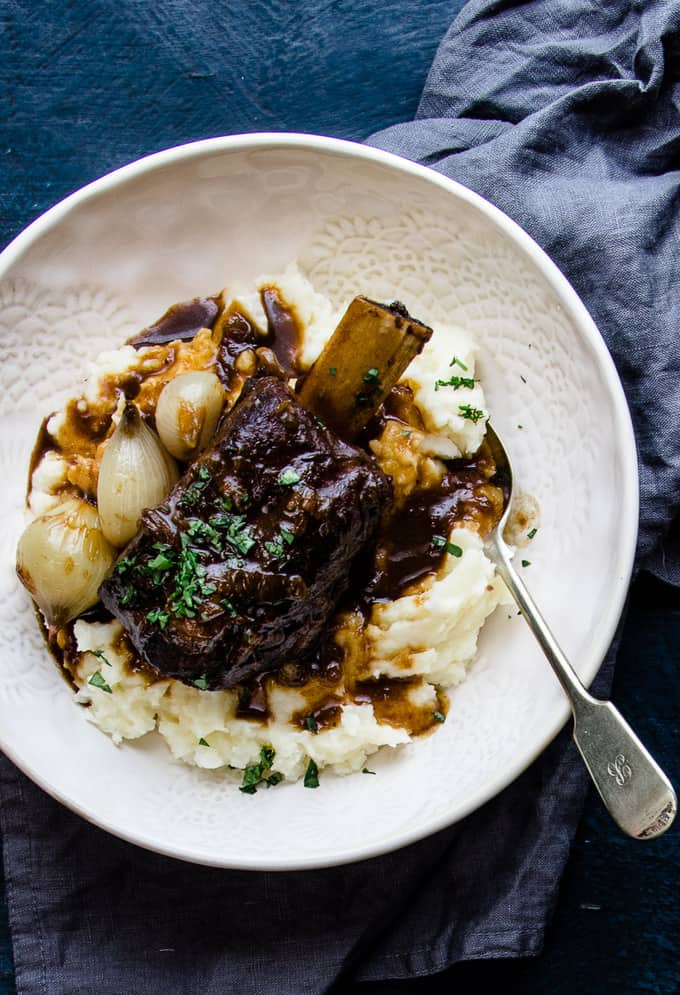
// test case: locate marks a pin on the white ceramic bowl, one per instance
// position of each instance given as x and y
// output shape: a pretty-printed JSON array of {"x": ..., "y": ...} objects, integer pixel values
[{"x": 110, "y": 258}]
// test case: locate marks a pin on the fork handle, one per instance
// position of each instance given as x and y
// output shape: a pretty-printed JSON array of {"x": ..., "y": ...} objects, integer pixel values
[{"x": 635, "y": 791}]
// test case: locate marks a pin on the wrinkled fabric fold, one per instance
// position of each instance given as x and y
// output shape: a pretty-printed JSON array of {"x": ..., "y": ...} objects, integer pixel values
[{"x": 567, "y": 116}]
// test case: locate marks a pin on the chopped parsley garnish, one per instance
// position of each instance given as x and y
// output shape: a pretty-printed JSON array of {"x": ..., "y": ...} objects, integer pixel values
[
  {"x": 158, "y": 568},
  {"x": 526, "y": 563},
  {"x": 311, "y": 723},
  {"x": 439, "y": 717},
  {"x": 227, "y": 502},
  {"x": 234, "y": 531},
  {"x": 257, "y": 774},
  {"x": 126, "y": 565},
  {"x": 97, "y": 681},
  {"x": 126, "y": 568},
  {"x": 267, "y": 754},
  {"x": 467, "y": 411},
  {"x": 203, "y": 742},
  {"x": 277, "y": 546},
  {"x": 373, "y": 388},
  {"x": 455, "y": 382},
  {"x": 458, "y": 362},
  {"x": 407, "y": 432},
  {"x": 231, "y": 611},
  {"x": 288, "y": 477},
  {"x": 156, "y": 616},
  {"x": 365, "y": 770},
  {"x": 129, "y": 596},
  {"x": 332, "y": 371},
  {"x": 193, "y": 493},
  {"x": 201, "y": 683},
  {"x": 164, "y": 560},
  {"x": 184, "y": 569},
  {"x": 450, "y": 547},
  {"x": 99, "y": 654},
  {"x": 204, "y": 532},
  {"x": 311, "y": 775},
  {"x": 190, "y": 583},
  {"x": 530, "y": 535}
]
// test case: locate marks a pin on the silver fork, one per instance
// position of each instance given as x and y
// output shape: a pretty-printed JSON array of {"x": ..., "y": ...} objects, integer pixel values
[{"x": 636, "y": 792}]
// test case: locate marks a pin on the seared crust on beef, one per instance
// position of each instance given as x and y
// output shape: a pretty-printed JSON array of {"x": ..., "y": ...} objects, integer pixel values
[{"x": 241, "y": 568}]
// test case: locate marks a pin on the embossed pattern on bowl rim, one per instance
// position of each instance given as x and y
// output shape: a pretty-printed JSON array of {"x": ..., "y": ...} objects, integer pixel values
[{"x": 622, "y": 441}]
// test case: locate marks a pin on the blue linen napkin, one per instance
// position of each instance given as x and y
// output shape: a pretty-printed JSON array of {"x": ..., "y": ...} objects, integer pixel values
[{"x": 567, "y": 116}]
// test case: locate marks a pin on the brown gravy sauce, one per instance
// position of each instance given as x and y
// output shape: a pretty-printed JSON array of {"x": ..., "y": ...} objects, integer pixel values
[
  {"x": 43, "y": 443},
  {"x": 326, "y": 715},
  {"x": 180, "y": 322},
  {"x": 284, "y": 332},
  {"x": 391, "y": 703},
  {"x": 253, "y": 699},
  {"x": 406, "y": 553},
  {"x": 273, "y": 351},
  {"x": 403, "y": 555}
]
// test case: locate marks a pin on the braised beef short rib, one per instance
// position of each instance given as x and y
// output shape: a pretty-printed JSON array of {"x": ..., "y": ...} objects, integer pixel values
[{"x": 241, "y": 568}]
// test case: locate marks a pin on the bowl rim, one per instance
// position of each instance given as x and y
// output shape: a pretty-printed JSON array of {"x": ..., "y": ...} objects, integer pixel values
[{"x": 623, "y": 436}]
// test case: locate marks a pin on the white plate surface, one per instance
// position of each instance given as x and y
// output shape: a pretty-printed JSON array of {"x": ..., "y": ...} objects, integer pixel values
[{"x": 110, "y": 259}]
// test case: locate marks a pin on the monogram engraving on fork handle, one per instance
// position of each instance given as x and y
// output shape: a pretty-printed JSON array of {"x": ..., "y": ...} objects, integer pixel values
[{"x": 620, "y": 770}]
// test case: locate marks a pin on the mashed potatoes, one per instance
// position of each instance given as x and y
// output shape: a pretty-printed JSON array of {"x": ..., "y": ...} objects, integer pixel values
[{"x": 427, "y": 637}]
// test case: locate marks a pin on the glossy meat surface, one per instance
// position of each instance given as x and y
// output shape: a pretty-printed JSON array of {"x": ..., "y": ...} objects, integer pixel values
[{"x": 239, "y": 571}]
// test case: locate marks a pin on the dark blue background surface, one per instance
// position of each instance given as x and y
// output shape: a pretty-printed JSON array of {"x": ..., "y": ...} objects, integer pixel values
[{"x": 91, "y": 85}]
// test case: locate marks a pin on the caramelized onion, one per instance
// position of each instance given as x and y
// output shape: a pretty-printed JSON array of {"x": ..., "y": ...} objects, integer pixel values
[
  {"x": 135, "y": 473},
  {"x": 62, "y": 558},
  {"x": 187, "y": 412}
]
